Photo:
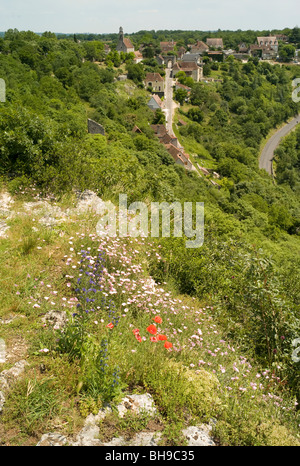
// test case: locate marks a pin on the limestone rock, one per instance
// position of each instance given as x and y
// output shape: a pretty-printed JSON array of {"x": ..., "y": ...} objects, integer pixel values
[
  {"x": 137, "y": 404},
  {"x": 3, "y": 228},
  {"x": 198, "y": 436},
  {"x": 96, "y": 418},
  {"x": 87, "y": 437},
  {"x": 2, "y": 401},
  {"x": 52, "y": 440},
  {"x": 6, "y": 201},
  {"x": 89, "y": 434},
  {"x": 57, "y": 319},
  {"x": 2, "y": 351},
  {"x": 8, "y": 377},
  {"x": 89, "y": 201},
  {"x": 145, "y": 439}
]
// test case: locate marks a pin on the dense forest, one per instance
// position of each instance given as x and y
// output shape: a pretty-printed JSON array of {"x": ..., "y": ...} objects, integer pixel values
[{"x": 249, "y": 264}]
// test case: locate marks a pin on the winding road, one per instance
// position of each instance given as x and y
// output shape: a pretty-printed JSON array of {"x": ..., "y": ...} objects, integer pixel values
[{"x": 267, "y": 154}]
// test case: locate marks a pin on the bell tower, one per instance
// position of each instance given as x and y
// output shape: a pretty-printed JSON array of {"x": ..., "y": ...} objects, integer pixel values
[{"x": 121, "y": 34}]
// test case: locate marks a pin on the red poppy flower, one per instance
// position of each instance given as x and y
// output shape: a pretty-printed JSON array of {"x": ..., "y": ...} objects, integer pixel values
[
  {"x": 110, "y": 325},
  {"x": 168, "y": 344},
  {"x": 157, "y": 319},
  {"x": 138, "y": 337},
  {"x": 136, "y": 331},
  {"x": 153, "y": 339},
  {"x": 162, "y": 337},
  {"x": 152, "y": 329}
]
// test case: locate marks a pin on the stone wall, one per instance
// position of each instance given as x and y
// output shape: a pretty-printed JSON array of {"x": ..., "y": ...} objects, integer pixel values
[{"x": 95, "y": 128}]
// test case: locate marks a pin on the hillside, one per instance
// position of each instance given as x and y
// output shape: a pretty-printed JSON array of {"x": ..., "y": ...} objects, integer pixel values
[
  {"x": 81, "y": 312},
  {"x": 72, "y": 301}
]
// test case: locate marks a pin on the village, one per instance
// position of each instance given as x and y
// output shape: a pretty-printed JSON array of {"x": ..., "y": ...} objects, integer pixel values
[{"x": 190, "y": 60}]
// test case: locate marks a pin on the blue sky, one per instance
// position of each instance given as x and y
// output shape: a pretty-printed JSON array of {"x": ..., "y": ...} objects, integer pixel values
[{"x": 99, "y": 16}]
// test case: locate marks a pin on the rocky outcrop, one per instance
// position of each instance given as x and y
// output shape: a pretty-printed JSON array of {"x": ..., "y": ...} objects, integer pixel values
[
  {"x": 8, "y": 378},
  {"x": 137, "y": 404}
]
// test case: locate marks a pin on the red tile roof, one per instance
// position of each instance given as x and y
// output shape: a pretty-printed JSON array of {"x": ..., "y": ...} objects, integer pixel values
[
  {"x": 188, "y": 65},
  {"x": 128, "y": 43},
  {"x": 157, "y": 100},
  {"x": 212, "y": 42},
  {"x": 176, "y": 153},
  {"x": 160, "y": 130},
  {"x": 151, "y": 77}
]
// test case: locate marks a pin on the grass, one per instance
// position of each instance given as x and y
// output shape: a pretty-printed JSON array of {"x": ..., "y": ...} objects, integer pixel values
[{"x": 202, "y": 376}]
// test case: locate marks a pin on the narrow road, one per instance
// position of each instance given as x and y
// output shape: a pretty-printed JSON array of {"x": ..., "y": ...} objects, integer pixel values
[
  {"x": 267, "y": 154},
  {"x": 170, "y": 105}
]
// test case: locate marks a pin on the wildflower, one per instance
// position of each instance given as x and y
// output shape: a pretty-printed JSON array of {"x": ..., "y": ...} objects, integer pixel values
[
  {"x": 110, "y": 325},
  {"x": 157, "y": 319},
  {"x": 152, "y": 329},
  {"x": 168, "y": 345},
  {"x": 135, "y": 331},
  {"x": 154, "y": 339},
  {"x": 161, "y": 337}
]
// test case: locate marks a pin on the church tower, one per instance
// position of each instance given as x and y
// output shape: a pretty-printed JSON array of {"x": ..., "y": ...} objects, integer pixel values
[
  {"x": 121, "y": 34},
  {"x": 124, "y": 45}
]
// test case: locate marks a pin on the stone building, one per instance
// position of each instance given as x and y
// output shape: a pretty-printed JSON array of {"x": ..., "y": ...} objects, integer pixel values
[
  {"x": 190, "y": 68},
  {"x": 155, "y": 103},
  {"x": 189, "y": 57},
  {"x": 124, "y": 44},
  {"x": 215, "y": 43},
  {"x": 269, "y": 41},
  {"x": 156, "y": 82},
  {"x": 167, "y": 46},
  {"x": 200, "y": 47}
]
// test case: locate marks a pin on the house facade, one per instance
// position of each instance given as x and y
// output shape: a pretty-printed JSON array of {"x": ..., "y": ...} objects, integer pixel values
[
  {"x": 138, "y": 57},
  {"x": 190, "y": 68},
  {"x": 270, "y": 41},
  {"x": 263, "y": 51},
  {"x": 156, "y": 82},
  {"x": 200, "y": 47},
  {"x": 167, "y": 46}
]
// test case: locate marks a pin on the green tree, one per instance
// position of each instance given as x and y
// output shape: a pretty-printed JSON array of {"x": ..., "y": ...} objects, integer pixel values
[
  {"x": 287, "y": 52},
  {"x": 181, "y": 95}
]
